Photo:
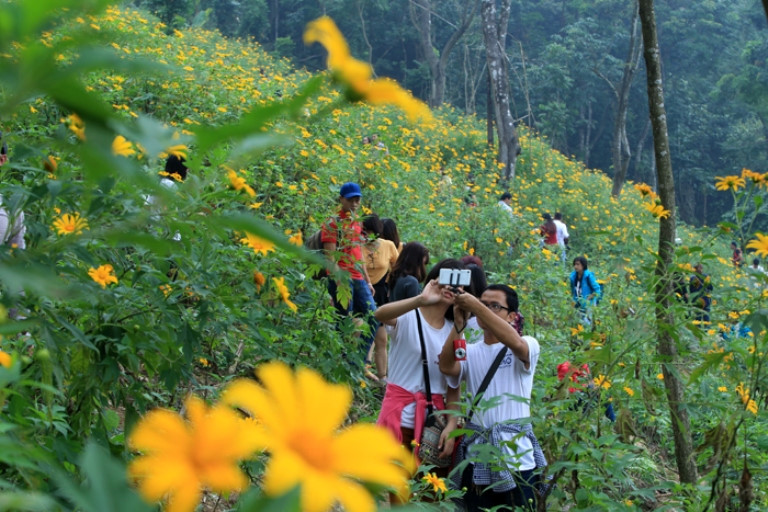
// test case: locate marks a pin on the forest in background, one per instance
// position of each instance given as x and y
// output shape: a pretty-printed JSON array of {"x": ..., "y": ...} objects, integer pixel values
[{"x": 567, "y": 61}]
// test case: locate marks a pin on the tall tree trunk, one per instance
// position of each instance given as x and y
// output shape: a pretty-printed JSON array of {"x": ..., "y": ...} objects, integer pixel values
[
  {"x": 665, "y": 320},
  {"x": 495, "y": 23},
  {"x": 421, "y": 17},
  {"x": 620, "y": 152}
]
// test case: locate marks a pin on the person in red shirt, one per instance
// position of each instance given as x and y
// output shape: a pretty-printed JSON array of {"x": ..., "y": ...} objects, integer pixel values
[
  {"x": 548, "y": 230},
  {"x": 342, "y": 244},
  {"x": 738, "y": 257}
]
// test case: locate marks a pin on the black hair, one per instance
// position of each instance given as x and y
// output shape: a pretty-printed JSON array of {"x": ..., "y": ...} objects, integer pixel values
[
  {"x": 175, "y": 164},
  {"x": 3, "y": 146},
  {"x": 546, "y": 216},
  {"x": 410, "y": 262},
  {"x": 478, "y": 283},
  {"x": 434, "y": 273},
  {"x": 756, "y": 261},
  {"x": 505, "y": 196},
  {"x": 582, "y": 260},
  {"x": 558, "y": 216},
  {"x": 513, "y": 303},
  {"x": 372, "y": 224},
  {"x": 389, "y": 232},
  {"x": 735, "y": 244}
]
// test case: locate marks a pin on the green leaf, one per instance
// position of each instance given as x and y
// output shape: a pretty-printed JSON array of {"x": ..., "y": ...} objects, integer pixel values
[
  {"x": 256, "y": 501},
  {"x": 710, "y": 361},
  {"x": 11, "y": 501}
]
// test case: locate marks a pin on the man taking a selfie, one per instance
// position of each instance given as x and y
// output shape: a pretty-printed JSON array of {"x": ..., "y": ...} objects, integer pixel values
[{"x": 503, "y": 363}]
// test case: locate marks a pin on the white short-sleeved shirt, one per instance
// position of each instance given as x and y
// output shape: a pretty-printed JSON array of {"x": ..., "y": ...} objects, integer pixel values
[
  {"x": 562, "y": 232},
  {"x": 405, "y": 359},
  {"x": 513, "y": 382}
]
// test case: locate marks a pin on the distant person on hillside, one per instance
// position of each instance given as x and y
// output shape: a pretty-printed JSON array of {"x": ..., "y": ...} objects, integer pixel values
[
  {"x": 505, "y": 203},
  {"x": 562, "y": 234},
  {"x": 342, "y": 240},
  {"x": 737, "y": 258},
  {"x": 12, "y": 228},
  {"x": 548, "y": 230},
  {"x": 757, "y": 270},
  {"x": 389, "y": 232},
  {"x": 700, "y": 293},
  {"x": 380, "y": 256},
  {"x": 409, "y": 272},
  {"x": 585, "y": 290}
]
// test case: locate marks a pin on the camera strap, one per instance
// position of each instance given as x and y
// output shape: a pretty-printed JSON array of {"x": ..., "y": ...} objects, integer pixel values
[
  {"x": 424, "y": 367},
  {"x": 486, "y": 381}
]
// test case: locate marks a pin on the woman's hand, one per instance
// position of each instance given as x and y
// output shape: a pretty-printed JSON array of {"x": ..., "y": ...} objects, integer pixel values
[
  {"x": 447, "y": 443},
  {"x": 432, "y": 293}
]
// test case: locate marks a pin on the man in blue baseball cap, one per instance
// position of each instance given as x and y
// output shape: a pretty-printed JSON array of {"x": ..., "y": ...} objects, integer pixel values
[{"x": 342, "y": 243}]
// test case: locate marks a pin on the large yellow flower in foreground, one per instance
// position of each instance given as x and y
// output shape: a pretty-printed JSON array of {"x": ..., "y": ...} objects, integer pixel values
[
  {"x": 179, "y": 458},
  {"x": 300, "y": 415},
  {"x": 70, "y": 224},
  {"x": 729, "y": 183},
  {"x": 358, "y": 75},
  {"x": 103, "y": 275},
  {"x": 259, "y": 245},
  {"x": 760, "y": 245}
]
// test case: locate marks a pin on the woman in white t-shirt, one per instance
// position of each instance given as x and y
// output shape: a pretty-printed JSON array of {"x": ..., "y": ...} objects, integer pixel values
[{"x": 404, "y": 404}]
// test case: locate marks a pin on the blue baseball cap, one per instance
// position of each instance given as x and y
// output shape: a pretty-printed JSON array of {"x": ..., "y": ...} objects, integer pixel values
[{"x": 350, "y": 189}]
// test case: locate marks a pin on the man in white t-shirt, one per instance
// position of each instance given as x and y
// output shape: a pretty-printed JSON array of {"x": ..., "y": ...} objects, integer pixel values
[
  {"x": 562, "y": 234},
  {"x": 510, "y": 392},
  {"x": 505, "y": 203}
]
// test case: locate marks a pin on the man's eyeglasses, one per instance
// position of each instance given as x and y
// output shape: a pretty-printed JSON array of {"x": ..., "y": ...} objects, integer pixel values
[{"x": 495, "y": 307}]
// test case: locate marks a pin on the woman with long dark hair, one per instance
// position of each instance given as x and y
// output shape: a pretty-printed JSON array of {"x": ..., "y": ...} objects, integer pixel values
[{"x": 409, "y": 271}]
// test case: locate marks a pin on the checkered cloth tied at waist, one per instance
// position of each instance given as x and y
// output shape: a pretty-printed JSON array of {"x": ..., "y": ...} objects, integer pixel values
[{"x": 486, "y": 474}]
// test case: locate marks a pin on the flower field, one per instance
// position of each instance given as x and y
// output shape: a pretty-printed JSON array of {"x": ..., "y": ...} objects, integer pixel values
[{"x": 134, "y": 319}]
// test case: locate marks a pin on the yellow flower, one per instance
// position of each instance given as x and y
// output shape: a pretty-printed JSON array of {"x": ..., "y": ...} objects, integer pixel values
[
  {"x": 629, "y": 391},
  {"x": 602, "y": 382},
  {"x": 179, "y": 151},
  {"x": 660, "y": 376},
  {"x": 437, "y": 483},
  {"x": 299, "y": 415},
  {"x": 166, "y": 289},
  {"x": 203, "y": 361},
  {"x": 723, "y": 389},
  {"x": 122, "y": 147},
  {"x": 755, "y": 177},
  {"x": 729, "y": 183},
  {"x": 259, "y": 245},
  {"x": 51, "y": 164},
  {"x": 103, "y": 275},
  {"x": 76, "y": 125},
  {"x": 760, "y": 245},
  {"x": 296, "y": 239},
  {"x": 5, "y": 359},
  {"x": 357, "y": 75},
  {"x": 238, "y": 183},
  {"x": 575, "y": 331},
  {"x": 181, "y": 457},
  {"x": 656, "y": 210},
  {"x": 284, "y": 293},
  {"x": 752, "y": 407},
  {"x": 644, "y": 189},
  {"x": 70, "y": 224},
  {"x": 258, "y": 279}
]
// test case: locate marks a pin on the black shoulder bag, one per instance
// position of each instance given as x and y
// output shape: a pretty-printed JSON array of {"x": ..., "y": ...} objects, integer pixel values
[{"x": 428, "y": 450}]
